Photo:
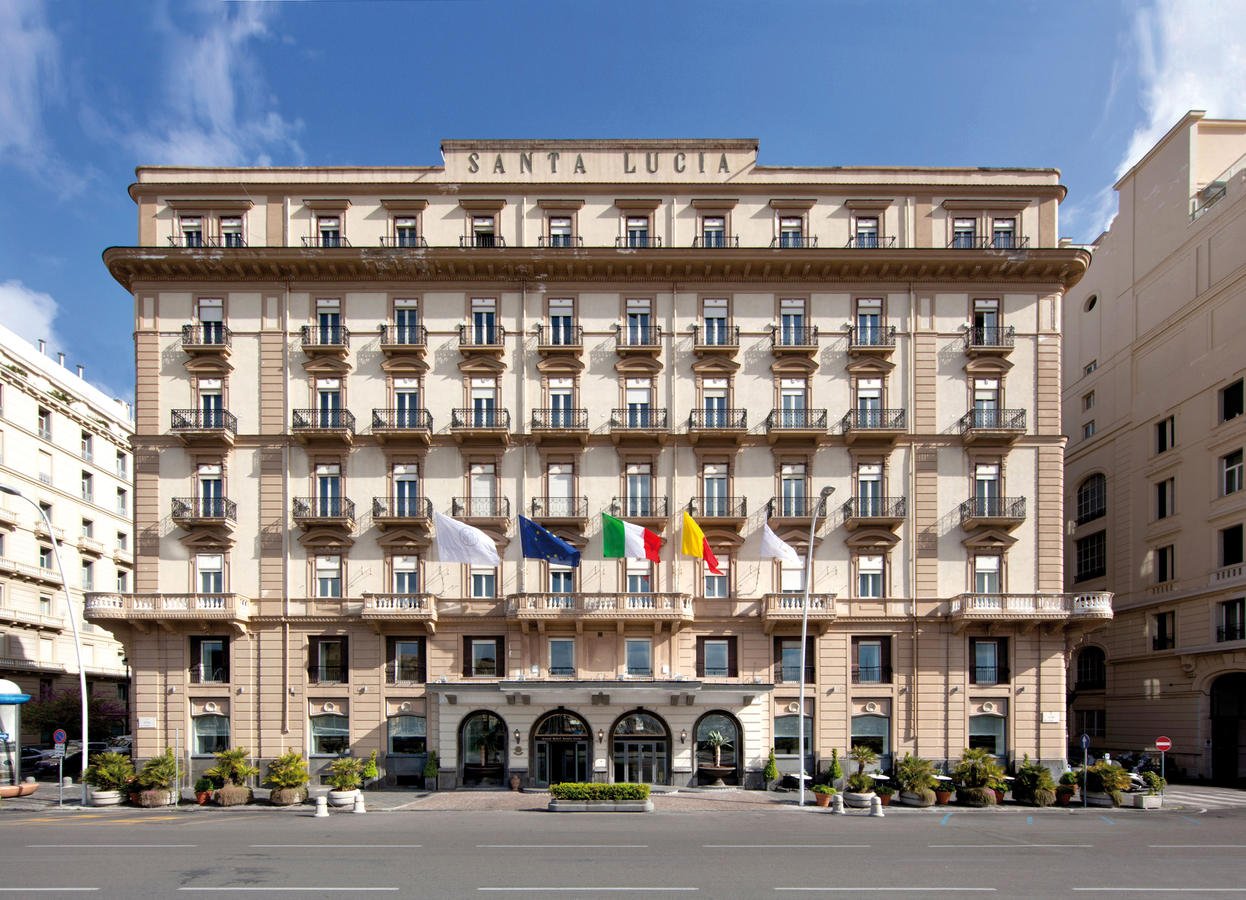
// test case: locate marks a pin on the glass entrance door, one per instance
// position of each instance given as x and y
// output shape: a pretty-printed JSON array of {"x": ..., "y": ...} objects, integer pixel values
[
  {"x": 559, "y": 761},
  {"x": 643, "y": 762}
]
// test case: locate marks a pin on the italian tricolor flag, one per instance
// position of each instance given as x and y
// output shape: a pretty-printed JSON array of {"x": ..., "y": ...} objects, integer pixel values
[{"x": 623, "y": 540}]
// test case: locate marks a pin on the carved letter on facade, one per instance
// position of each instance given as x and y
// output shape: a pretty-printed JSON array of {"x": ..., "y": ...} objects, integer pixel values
[
  {"x": 498, "y": 168},
  {"x": 723, "y": 168},
  {"x": 579, "y": 165},
  {"x": 553, "y": 161},
  {"x": 651, "y": 163},
  {"x": 473, "y": 162},
  {"x": 628, "y": 166},
  {"x": 679, "y": 161},
  {"x": 525, "y": 163}
]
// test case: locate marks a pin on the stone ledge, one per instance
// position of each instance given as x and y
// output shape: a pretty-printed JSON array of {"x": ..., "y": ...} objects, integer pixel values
[{"x": 601, "y": 806}]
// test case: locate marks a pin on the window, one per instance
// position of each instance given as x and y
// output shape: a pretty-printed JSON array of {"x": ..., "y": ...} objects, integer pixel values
[
  {"x": 1090, "y": 556},
  {"x": 1163, "y": 627},
  {"x": 1092, "y": 669},
  {"x": 1092, "y": 498},
  {"x": 637, "y": 231},
  {"x": 45, "y": 557},
  {"x": 88, "y": 446},
  {"x": 406, "y": 232},
  {"x": 1004, "y": 233},
  {"x": 1165, "y": 492},
  {"x": 1090, "y": 367},
  {"x": 639, "y": 573},
  {"x": 1165, "y": 564},
  {"x": 791, "y": 577},
  {"x": 715, "y": 483},
  {"x": 329, "y": 231},
  {"x": 986, "y": 323},
  {"x": 192, "y": 231},
  {"x": 1231, "y": 473},
  {"x": 329, "y": 576},
  {"x": 986, "y": 403},
  {"x": 1232, "y": 620},
  {"x": 88, "y": 528},
  {"x": 560, "y": 231},
  {"x": 405, "y": 660},
  {"x": 561, "y": 402},
  {"x": 1165, "y": 434},
  {"x": 713, "y": 231},
  {"x": 1091, "y": 722},
  {"x": 123, "y": 540},
  {"x": 791, "y": 231},
  {"x": 484, "y": 232},
  {"x": 484, "y": 412},
  {"x": 45, "y": 424},
  {"x": 560, "y": 487},
  {"x": 211, "y": 314},
  {"x": 562, "y": 656},
  {"x": 717, "y": 587},
  {"x": 561, "y": 579},
  {"x": 562, "y": 322},
  {"x": 122, "y": 466},
  {"x": 407, "y": 735},
  {"x": 873, "y": 731},
  {"x": 787, "y": 659},
  {"x": 407, "y": 402},
  {"x": 88, "y": 576},
  {"x": 231, "y": 231},
  {"x": 406, "y": 479},
  {"x": 327, "y": 661},
  {"x": 714, "y": 313},
  {"x": 209, "y": 660},
  {"x": 484, "y": 580},
  {"x": 1231, "y": 546},
  {"x": 964, "y": 233},
  {"x": 986, "y": 573},
  {"x": 639, "y": 656},
  {"x": 988, "y": 733},
  {"x": 639, "y": 397},
  {"x": 123, "y": 581},
  {"x": 988, "y": 661},
  {"x": 1088, "y": 430},
  {"x": 870, "y": 323},
  {"x": 482, "y": 657},
  {"x": 123, "y": 502},
  {"x": 716, "y": 657},
  {"x": 210, "y": 573},
  {"x": 1088, "y": 401},
  {"x": 793, "y": 495},
  {"x": 871, "y": 660},
  {"x": 866, "y": 232},
  {"x": 1231, "y": 401},
  {"x": 407, "y": 321},
  {"x": 211, "y": 734},
  {"x": 330, "y": 735},
  {"x": 406, "y": 574},
  {"x": 869, "y": 576},
  {"x": 793, "y": 393},
  {"x": 869, "y": 489},
  {"x": 45, "y": 467},
  {"x": 786, "y": 738},
  {"x": 88, "y": 487},
  {"x": 715, "y": 399},
  {"x": 792, "y": 331}
]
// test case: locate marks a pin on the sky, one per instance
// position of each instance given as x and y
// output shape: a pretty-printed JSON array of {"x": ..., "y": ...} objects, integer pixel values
[{"x": 89, "y": 91}]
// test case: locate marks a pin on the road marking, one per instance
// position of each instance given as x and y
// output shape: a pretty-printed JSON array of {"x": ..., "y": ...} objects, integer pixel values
[
  {"x": 785, "y": 846},
  {"x": 903, "y": 890},
  {"x": 999, "y": 846},
  {"x": 1109, "y": 821},
  {"x": 336, "y": 846},
  {"x": 1198, "y": 846},
  {"x": 1195, "y": 821},
  {"x": 345, "y": 890},
  {"x": 561, "y": 846},
  {"x": 586, "y": 890},
  {"x": 1029, "y": 820},
  {"x": 1166, "y": 890},
  {"x": 31, "y": 890},
  {"x": 107, "y": 846},
  {"x": 946, "y": 816}
]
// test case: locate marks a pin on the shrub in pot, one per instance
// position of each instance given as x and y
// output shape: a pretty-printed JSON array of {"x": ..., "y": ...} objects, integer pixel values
[
  {"x": 884, "y": 792},
  {"x": 155, "y": 781},
  {"x": 287, "y": 776},
  {"x": 975, "y": 776},
  {"x": 1066, "y": 789},
  {"x": 371, "y": 771},
  {"x": 204, "y": 786},
  {"x": 916, "y": 777},
  {"x": 345, "y": 776},
  {"x": 1106, "y": 778},
  {"x": 430, "y": 771},
  {"x": 771, "y": 773},
  {"x": 1034, "y": 784},
  {"x": 835, "y": 773},
  {"x": 232, "y": 771},
  {"x": 110, "y": 774},
  {"x": 822, "y": 794}
]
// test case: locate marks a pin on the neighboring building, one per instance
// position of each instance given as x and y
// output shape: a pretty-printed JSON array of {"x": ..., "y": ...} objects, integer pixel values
[
  {"x": 1153, "y": 404},
  {"x": 560, "y": 329},
  {"x": 66, "y": 446}
]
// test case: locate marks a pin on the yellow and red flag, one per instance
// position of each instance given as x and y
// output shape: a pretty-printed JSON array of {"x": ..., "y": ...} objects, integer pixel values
[{"x": 693, "y": 543}]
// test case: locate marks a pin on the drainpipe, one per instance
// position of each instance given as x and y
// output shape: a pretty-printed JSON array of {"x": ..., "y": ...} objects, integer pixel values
[
  {"x": 910, "y": 527},
  {"x": 670, "y": 406},
  {"x": 522, "y": 381},
  {"x": 284, "y": 316}
]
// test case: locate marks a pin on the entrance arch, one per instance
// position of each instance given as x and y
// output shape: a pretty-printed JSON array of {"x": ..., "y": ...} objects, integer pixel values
[
  {"x": 730, "y": 753},
  {"x": 640, "y": 745},
  {"x": 482, "y": 749},
  {"x": 562, "y": 748},
  {"x": 1228, "y": 728}
]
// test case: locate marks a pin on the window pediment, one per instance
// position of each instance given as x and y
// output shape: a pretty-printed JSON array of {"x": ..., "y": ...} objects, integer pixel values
[
  {"x": 879, "y": 367},
  {"x": 794, "y": 365},
  {"x": 326, "y": 539},
  {"x": 877, "y": 538},
  {"x": 639, "y": 365},
  {"x": 715, "y": 366},
  {"x": 209, "y": 366},
  {"x": 401, "y": 539},
  {"x": 560, "y": 364},
  {"x": 987, "y": 365},
  {"x": 323, "y": 365},
  {"x": 990, "y": 539},
  {"x": 482, "y": 365}
]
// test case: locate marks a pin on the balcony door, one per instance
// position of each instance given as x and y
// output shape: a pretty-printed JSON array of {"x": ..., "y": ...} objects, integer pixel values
[
  {"x": 329, "y": 403},
  {"x": 986, "y": 402},
  {"x": 870, "y": 489},
  {"x": 639, "y": 394},
  {"x": 714, "y": 489},
  {"x": 407, "y": 402},
  {"x": 562, "y": 318},
  {"x": 210, "y": 491},
  {"x": 714, "y": 401},
  {"x": 484, "y": 402},
  {"x": 406, "y": 322},
  {"x": 793, "y": 490},
  {"x": 561, "y": 396},
  {"x": 483, "y": 485},
  {"x": 484, "y": 318},
  {"x": 211, "y": 402},
  {"x": 716, "y": 321},
  {"x": 406, "y": 490},
  {"x": 639, "y": 499},
  {"x": 869, "y": 321},
  {"x": 792, "y": 396},
  {"x": 791, "y": 322},
  {"x": 212, "y": 320},
  {"x": 869, "y": 402},
  {"x": 328, "y": 321},
  {"x": 560, "y": 480},
  {"x": 638, "y": 323},
  {"x": 329, "y": 490},
  {"x": 986, "y": 488}
]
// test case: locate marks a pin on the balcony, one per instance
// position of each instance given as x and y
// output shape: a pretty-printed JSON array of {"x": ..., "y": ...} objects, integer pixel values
[
  {"x": 560, "y": 426},
  {"x": 595, "y": 609},
  {"x": 974, "y": 607},
  {"x": 794, "y": 340},
  {"x": 331, "y": 341},
  {"x": 324, "y": 512},
  {"x": 731, "y": 512},
  {"x": 402, "y": 512},
  {"x": 1000, "y": 241},
  {"x": 402, "y": 427},
  {"x": 89, "y": 546},
  {"x": 400, "y": 610},
  {"x": 639, "y": 424},
  {"x": 791, "y": 511},
  {"x": 877, "y": 341},
  {"x": 207, "y": 339},
  {"x": 715, "y": 340},
  {"x": 483, "y": 241},
  {"x": 992, "y": 512},
  {"x": 880, "y": 512},
  {"x": 871, "y": 242},
  {"x": 560, "y": 241},
  {"x": 990, "y": 341},
  {"x": 326, "y": 241},
  {"x": 871, "y": 675},
  {"x": 787, "y": 609},
  {"x": 637, "y": 242},
  {"x": 200, "y": 512},
  {"x": 28, "y": 572},
  {"x": 570, "y": 511},
  {"x": 404, "y": 241},
  {"x": 717, "y": 425},
  {"x": 482, "y": 340},
  {"x": 204, "y": 427},
  {"x": 806, "y": 426},
  {"x": 713, "y": 240},
  {"x": 122, "y": 556},
  {"x": 481, "y": 426},
  {"x": 1230, "y": 632},
  {"x": 335, "y": 426},
  {"x": 992, "y": 426},
  {"x": 794, "y": 242},
  {"x": 873, "y": 425},
  {"x": 192, "y": 241},
  {"x": 403, "y": 342},
  {"x": 559, "y": 340},
  {"x": 494, "y": 511},
  {"x": 139, "y": 609},
  {"x": 641, "y": 340},
  {"x": 651, "y": 512}
]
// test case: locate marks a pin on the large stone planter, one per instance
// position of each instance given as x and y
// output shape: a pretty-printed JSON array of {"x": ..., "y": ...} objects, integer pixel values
[
  {"x": 858, "y": 801},
  {"x": 343, "y": 798},
  {"x": 1147, "y": 801},
  {"x": 918, "y": 800},
  {"x": 105, "y": 798},
  {"x": 156, "y": 797},
  {"x": 1098, "y": 798},
  {"x": 601, "y": 806},
  {"x": 287, "y": 796}
]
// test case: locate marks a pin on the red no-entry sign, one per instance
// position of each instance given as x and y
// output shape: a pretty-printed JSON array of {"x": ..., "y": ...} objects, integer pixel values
[{"x": 1163, "y": 744}]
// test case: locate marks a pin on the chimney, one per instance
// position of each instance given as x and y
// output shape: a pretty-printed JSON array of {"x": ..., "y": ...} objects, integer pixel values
[
  {"x": 81, "y": 371},
  {"x": 60, "y": 358},
  {"x": 43, "y": 346}
]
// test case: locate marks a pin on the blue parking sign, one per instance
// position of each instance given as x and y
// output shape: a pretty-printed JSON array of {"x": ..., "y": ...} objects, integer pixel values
[{"x": 59, "y": 736}]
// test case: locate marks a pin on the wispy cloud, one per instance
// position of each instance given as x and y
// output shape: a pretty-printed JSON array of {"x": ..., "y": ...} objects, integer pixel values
[{"x": 29, "y": 314}]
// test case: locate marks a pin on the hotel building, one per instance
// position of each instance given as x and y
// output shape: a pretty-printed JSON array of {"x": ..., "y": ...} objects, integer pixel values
[
  {"x": 325, "y": 356},
  {"x": 1154, "y": 408}
]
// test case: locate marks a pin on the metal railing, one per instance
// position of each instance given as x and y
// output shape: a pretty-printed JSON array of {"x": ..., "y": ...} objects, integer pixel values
[
  {"x": 993, "y": 420},
  {"x": 560, "y": 507},
  {"x": 641, "y": 507},
  {"x": 716, "y": 335},
  {"x": 196, "y": 508},
  {"x": 630, "y": 335},
  {"x": 408, "y": 241},
  {"x": 990, "y": 336},
  {"x": 481, "y": 507},
  {"x": 1230, "y": 632},
  {"x": 326, "y": 241},
  {"x": 559, "y": 336},
  {"x": 871, "y": 241},
  {"x": 1163, "y": 642},
  {"x": 871, "y": 674},
  {"x": 335, "y": 336},
  {"x": 481, "y": 335},
  {"x": 402, "y": 508},
  {"x": 800, "y": 336},
  {"x": 718, "y": 419},
  {"x": 875, "y": 508},
  {"x": 871, "y": 336},
  {"x": 323, "y": 420},
  {"x": 988, "y": 242},
  {"x": 637, "y": 242},
  {"x": 989, "y": 675},
  {"x": 639, "y": 418},
  {"x": 559, "y": 241},
  {"x": 403, "y": 335},
  {"x": 207, "y": 334},
  {"x": 492, "y": 418},
  {"x": 203, "y": 420},
  {"x": 485, "y": 241},
  {"x": 201, "y": 674},
  {"x": 715, "y": 241},
  {"x": 405, "y": 672},
  {"x": 719, "y": 507},
  {"x": 792, "y": 673},
  {"x": 796, "y": 419},
  {"x": 418, "y": 419},
  {"x": 790, "y": 507},
  {"x": 993, "y": 508},
  {"x": 552, "y": 419},
  {"x": 307, "y": 509},
  {"x": 794, "y": 242},
  {"x": 873, "y": 420}
]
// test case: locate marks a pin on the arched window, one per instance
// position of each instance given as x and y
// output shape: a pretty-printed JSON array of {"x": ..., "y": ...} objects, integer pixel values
[
  {"x": 1092, "y": 498},
  {"x": 484, "y": 740},
  {"x": 728, "y": 751},
  {"x": 330, "y": 734},
  {"x": 640, "y": 724},
  {"x": 407, "y": 734},
  {"x": 1092, "y": 669},
  {"x": 211, "y": 734}
]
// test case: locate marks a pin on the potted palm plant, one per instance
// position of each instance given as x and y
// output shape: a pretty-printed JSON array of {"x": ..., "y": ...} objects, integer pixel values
[
  {"x": 859, "y": 790},
  {"x": 345, "y": 776},
  {"x": 110, "y": 774},
  {"x": 717, "y": 740},
  {"x": 917, "y": 781},
  {"x": 1066, "y": 790},
  {"x": 1105, "y": 784},
  {"x": 232, "y": 771},
  {"x": 1034, "y": 784},
  {"x": 975, "y": 776},
  {"x": 287, "y": 777},
  {"x": 156, "y": 780}
]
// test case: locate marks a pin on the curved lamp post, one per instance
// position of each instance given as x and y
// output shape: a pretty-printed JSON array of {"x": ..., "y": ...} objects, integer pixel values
[
  {"x": 73, "y": 622},
  {"x": 819, "y": 509}
]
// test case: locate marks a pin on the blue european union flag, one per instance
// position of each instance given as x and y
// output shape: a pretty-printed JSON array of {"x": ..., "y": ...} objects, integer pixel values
[{"x": 541, "y": 543}]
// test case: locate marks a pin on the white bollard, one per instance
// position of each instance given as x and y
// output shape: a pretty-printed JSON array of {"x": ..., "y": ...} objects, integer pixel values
[
  {"x": 322, "y": 807},
  {"x": 876, "y": 807},
  {"x": 837, "y": 805},
  {"x": 359, "y": 807}
]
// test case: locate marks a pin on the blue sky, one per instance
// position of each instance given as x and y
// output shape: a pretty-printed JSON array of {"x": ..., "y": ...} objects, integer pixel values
[{"x": 89, "y": 90}]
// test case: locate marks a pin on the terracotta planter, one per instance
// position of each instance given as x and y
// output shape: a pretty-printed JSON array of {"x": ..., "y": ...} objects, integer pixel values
[
  {"x": 202, "y": 797},
  {"x": 943, "y": 798},
  {"x": 822, "y": 799},
  {"x": 25, "y": 789},
  {"x": 1065, "y": 797},
  {"x": 885, "y": 799},
  {"x": 999, "y": 796}
]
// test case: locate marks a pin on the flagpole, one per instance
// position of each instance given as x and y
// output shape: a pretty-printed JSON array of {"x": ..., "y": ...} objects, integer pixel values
[{"x": 804, "y": 637}]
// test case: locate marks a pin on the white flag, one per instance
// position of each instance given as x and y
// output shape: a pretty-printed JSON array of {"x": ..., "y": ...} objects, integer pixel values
[
  {"x": 459, "y": 542},
  {"x": 772, "y": 547}
]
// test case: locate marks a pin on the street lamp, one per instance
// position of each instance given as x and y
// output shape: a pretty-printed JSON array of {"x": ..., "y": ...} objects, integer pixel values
[
  {"x": 73, "y": 622},
  {"x": 818, "y": 509}
]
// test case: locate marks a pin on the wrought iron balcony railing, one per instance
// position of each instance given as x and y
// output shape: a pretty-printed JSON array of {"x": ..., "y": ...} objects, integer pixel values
[
  {"x": 1230, "y": 632},
  {"x": 718, "y": 419},
  {"x": 203, "y": 420},
  {"x": 481, "y": 507},
  {"x": 796, "y": 420},
  {"x": 334, "y": 336},
  {"x": 802, "y": 337},
  {"x": 713, "y": 507},
  {"x": 492, "y": 418},
  {"x": 402, "y": 420},
  {"x": 871, "y": 241},
  {"x": 403, "y": 335},
  {"x": 715, "y": 335},
  {"x": 482, "y": 241},
  {"x": 638, "y": 241},
  {"x": 871, "y": 674},
  {"x": 560, "y": 507},
  {"x": 186, "y": 509},
  {"x": 641, "y": 507},
  {"x": 402, "y": 508},
  {"x": 873, "y": 420},
  {"x": 870, "y": 507},
  {"x": 409, "y": 241},
  {"x": 207, "y": 334},
  {"x": 993, "y": 420},
  {"x": 308, "y": 509},
  {"x": 640, "y": 418},
  {"x": 481, "y": 335},
  {"x": 560, "y": 241},
  {"x": 990, "y": 337},
  {"x": 632, "y": 335},
  {"x": 871, "y": 336},
  {"x": 306, "y": 420},
  {"x": 559, "y": 418},
  {"x": 993, "y": 508},
  {"x": 794, "y": 242},
  {"x": 552, "y": 336},
  {"x": 715, "y": 241}
]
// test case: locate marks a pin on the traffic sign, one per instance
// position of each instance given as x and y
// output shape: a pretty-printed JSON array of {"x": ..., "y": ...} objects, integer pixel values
[
  {"x": 59, "y": 736},
  {"x": 1085, "y": 742},
  {"x": 4, "y": 736},
  {"x": 58, "y": 752},
  {"x": 1163, "y": 744}
]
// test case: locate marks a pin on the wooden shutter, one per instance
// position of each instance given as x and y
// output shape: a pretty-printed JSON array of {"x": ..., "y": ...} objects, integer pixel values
[
  {"x": 811, "y": 660},
  {"x": 313, "y": 645},
  {"x": 732, "y": 661},
  {"x": 345, "y": 659},
  {"x": 225, "y": 659},
  {"x": 423, "y": 670},
  {"x": 467, "y": 657},
  {"x": 885, "y": 660},
  {"x": 700, "y": 657}
]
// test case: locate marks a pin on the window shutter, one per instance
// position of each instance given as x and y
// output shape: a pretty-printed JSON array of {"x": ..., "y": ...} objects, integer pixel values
[
  {"x": 225, "y": 658},
  {"x": 1001, "y": 659},
  {"x": 811, "y": 663},
  {"x": 345, "y": 660},
  {"x": 499, "y": 661},
  {"x": 700, "y": 657},
  {"x": 732, "y": 664},
  {"x": 777, "y": 675},
  {"x": 313, "y": 651},
  {"x": 885, "y": 659},
  {"x": 467, "y": 657},
  {"x": 194, "y": 656},
  {"x": 423, "y": 670}
]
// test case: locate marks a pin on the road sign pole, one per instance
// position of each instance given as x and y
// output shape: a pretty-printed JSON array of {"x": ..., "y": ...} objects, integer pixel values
[
  {"x": 60, "y": 780},
  {"x": 1162, "y": 776}
]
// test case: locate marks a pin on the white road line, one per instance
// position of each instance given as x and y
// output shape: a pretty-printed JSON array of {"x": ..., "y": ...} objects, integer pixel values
[
  {"x": 785, "y": 846},
  {"x": 999, "y": 846},
  {"x": 1157, "y": 890},
  {"x": 31, "y": 890},
  {"x": 586, "y": 890},
  {"x": 562, "y": 846},
  {"x": 344, "y": 890},
  {"x": 893, "y": 890},
  {"x": 107, "y": 846},
  {"x": 335, "y": 846},
  {"x": 1197, "y": 846}
]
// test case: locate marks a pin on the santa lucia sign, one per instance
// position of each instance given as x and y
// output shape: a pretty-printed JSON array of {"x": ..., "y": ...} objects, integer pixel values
[{"x": 599, "y": 161}]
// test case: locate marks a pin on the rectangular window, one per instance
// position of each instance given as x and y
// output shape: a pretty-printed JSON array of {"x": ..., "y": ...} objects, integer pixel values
[
  {"x": 482, "y": 657},
  {"x": 871, "y": 660},
  {"x": 1231, "y": 473},
  {"x": 327, "y": 660},
  {"x": 639, "y": 484},
  {"x": 484, "y": 231},
  {"x": 123, "y": 581},
  {"x": 793, "y": 500},
  {"x": 209, "y": 660},
  {"x": 791, "y": 231},
  {"x": 1231, "y": 401},
  {"x": 713, "y": 231},
  {"x": 88, "y": 446},
  {"x": 88, "y": 487},
  {"x": 45, "y": 424},
  {"x": 1231, "y": 546},
  {"x": 1090, "y": 367},
  {"x": 986, "y": 574},
  {"x": 964, "y": 233},
  {"x": 45, "y": 467},
  {"x": 1165, "y": 563},
  {"x": 122, "y": 465},
  {"x": 329, "y": 576},
  {"x": 637, "y": 229},
  {"x": 717, "y": 586},
  {"x": 123, "y": 502},
  {"x": 1004, "y": 233},
  {"x": 988, "y": 661},
  {"x": 406, "y": 231},
  {"x": 1088, "y": 430},
  {"x": 1164, "y": 495},
  {"x": 210, "y": 573},
  {"x": 407, "y": 321},
  {"x": 866, "y": 232},
  {"x": 1232, "y": 620},
  {"x": 404, "y": 660},
  {"x": 406, "y": 574},
  {"x": 787, "y": 659},
  {"x": 562, "y": 656},
  {"x": 716, "y": 657},
  {"x": 45, "y": 557},
  {"x": 1090, "y": 556},
  {"x": 329, "y": 230},
  {"x": 231, "y": 231},
  {"x": 715, "y": 312},
  {"x": 1165, "y": 434},
  {"x": 88, "y": 528},
  {"x": 1164, "y": 630},
  {"x": 123, "y": 540},
  {"x": 88, "y": 576},
  {"x": 639, "y": 656},
  {"x": 640, "y": 583},
  {"x": 560, "y": 231},
  {"x": 561, "y": 579},
  {"x": 869, "y": 576},
  {"x": 1091, "y": 722},
  {"x": 1088, "y": 401},
  {"x": 484, "y": 582},
  {"x": 791, "y": 577},
  {"x": 192, "y": 231},
  {"x": 562, "y": 322}
]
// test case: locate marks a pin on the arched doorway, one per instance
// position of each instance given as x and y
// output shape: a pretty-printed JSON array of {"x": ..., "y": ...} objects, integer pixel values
[
  {"x": 1228, "y": 728},
  {"x": 641, "y": 747},
  {"x": 561, "y": 748},
  {"x": 482, "y": 749},
  {"x": 721, "y": 762}
]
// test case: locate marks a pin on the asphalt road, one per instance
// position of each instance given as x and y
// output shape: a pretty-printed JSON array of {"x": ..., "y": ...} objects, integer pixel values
[{"x": 771, "y": 852}]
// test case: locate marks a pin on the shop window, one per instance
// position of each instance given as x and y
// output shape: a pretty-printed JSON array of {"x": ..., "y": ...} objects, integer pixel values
[
  {"x": 330, "y": 734},
  {"x": 211, "y": 734}
]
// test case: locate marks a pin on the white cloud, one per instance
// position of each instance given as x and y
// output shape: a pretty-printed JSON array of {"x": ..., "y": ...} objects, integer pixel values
[{"x": 29, "y": 314}]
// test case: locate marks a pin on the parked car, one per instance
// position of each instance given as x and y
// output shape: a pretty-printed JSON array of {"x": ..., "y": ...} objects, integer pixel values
[
  {"x": 47, "y": 768},
  {"x": 32, "y": 756}
]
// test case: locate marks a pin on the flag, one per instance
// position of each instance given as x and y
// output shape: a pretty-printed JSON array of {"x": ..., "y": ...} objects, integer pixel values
[
  {"x": 459, "y": 542},
  {"x": 621, "y": 539},
  {"x": 773, "y": 547},
  {"x": 541, "y": 543},
  {"x": 695, "y": 544}
]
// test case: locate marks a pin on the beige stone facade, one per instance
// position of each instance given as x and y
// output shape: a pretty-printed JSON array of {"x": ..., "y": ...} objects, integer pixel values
[
  {"x": 1153, "y": 407},
  {"x": 66, "y": 446},
  {"x": 560, "y": 329}
]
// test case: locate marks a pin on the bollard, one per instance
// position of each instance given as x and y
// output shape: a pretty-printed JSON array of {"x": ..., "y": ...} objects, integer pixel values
[
  {"x": 837, "y": 805},
  {"x": 876, "y": 807},
  {"x": 322, "y": 807},
  {"x": 359, "y": 807}
]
